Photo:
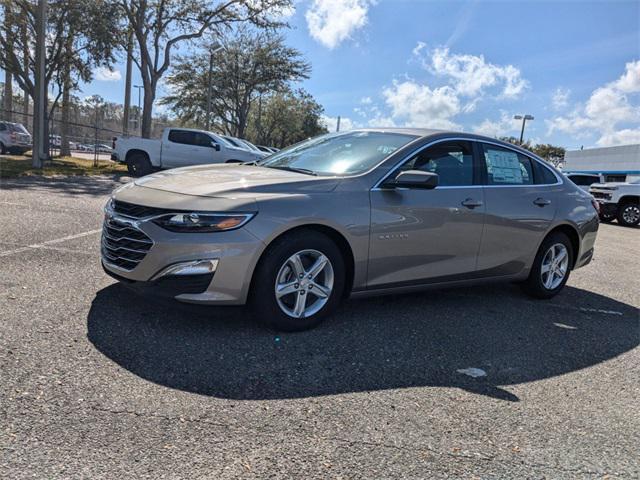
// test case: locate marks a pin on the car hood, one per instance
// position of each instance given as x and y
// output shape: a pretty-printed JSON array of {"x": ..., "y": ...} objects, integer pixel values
[{"x": 235, "y": 181}]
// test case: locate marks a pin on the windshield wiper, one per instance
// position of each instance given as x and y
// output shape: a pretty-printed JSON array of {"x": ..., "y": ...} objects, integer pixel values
[{"x": 306, "y": 171}]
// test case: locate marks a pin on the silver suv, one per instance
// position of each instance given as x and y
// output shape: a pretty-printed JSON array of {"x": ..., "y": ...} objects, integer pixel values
[
  {"x": 14, "y": 138},
  {"x": 365, "y": 212}
]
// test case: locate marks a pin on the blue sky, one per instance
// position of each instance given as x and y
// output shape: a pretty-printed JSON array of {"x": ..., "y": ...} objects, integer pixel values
[{"x": 470, "y": 65}]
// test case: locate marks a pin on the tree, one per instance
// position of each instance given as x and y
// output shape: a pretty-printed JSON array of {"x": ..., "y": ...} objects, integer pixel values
[
  {"x": 252, "y": 64},
  {"x": 284, "y": 118},
  {"x": 79, "y": 37},
  {"x": 159, "y": 26},
  {"x": 551, "y": 153}
]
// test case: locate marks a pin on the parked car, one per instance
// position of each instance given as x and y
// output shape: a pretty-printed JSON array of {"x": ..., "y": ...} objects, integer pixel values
[
  {"x": 354, "y": 213},
  {"x": 14, "y": 138},
  {"x": 619, "y": 201},
  {"x": 178, "y": 147},
  {"x": 268, "y": 150},
  {"x": 585, "y": 180}
]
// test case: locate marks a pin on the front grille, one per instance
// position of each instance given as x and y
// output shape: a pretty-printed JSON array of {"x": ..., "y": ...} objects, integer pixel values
[
  {"x": 123, "y": 246},
  {"x": 604, "y": 196},
  {"x": 137, "y": 211}
]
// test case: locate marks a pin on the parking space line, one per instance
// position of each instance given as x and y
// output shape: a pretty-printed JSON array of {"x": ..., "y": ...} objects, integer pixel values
[{"x": 49, "y": 242}]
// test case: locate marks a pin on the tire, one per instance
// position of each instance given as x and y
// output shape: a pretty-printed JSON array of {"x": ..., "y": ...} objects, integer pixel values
[
  {"x": 3, "y": 149},
  {"x": 139, "y": 165},
  {"x": 607, "y": 217},
  {"x": 629, "y": 214},
  {"x": 538, "y": 284},
  {"x": 276, "y": 268}
]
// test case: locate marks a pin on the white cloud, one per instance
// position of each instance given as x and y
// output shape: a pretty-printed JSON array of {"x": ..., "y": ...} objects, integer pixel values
[
  {"x": 332, "y": 122},
  {"x": 104, "y": 74},
  {"x": 606, "y": 109},
  {"x": 472, "y": 75},
  {"x": 330, "y": 22},
  {"x": 366, "y": 101},
  {"x": 626, "y": 136},
  {"x": 503, "y": 127},
  {"x": 415, "y": 104},
  {"x": 560, "y": 98}
]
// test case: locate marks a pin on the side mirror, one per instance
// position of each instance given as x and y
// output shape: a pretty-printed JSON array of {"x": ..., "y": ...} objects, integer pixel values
[
  {"x": 216, "y": 146},
  {"x": 414, "y": 179}
]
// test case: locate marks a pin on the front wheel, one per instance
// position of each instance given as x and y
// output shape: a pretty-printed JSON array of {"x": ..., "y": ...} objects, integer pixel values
[
  {"x": 551, "y": 267},
  {"x": 629, "y": 214},
  {"x": 298, "y": 282}
]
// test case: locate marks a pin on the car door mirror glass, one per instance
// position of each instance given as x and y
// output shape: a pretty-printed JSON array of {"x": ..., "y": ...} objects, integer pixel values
[{"x": 415, "y": 179}]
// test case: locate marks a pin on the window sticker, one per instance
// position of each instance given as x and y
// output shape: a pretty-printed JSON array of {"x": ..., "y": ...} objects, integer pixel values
[{"x": 503, "y": 166}]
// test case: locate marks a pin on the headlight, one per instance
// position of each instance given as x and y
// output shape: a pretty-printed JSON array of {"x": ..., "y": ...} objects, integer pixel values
[{"x": 202, "y": 222}]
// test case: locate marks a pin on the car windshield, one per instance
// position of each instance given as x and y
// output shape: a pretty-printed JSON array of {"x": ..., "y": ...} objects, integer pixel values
[
  {"x": 249, "y": 145},
  {"x": 232, "y": 141},
  {"x": 346, "y": 153}
]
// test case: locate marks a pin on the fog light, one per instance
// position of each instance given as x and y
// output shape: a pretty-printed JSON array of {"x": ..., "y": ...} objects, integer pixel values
[{"x": 194, "y": 267}]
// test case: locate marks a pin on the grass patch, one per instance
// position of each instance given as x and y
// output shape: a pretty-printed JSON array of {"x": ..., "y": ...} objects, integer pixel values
[{"x": 18, "y": 166}]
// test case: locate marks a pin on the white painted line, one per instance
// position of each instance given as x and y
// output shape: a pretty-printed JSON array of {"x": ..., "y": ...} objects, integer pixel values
[
  {"x": 565, "y": 326},
  {"x": 597, "y": 310},
  {"x": 473, "y": 372},
  {"x": 48, "y": 242}
]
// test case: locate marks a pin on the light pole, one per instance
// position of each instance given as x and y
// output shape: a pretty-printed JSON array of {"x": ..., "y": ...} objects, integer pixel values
[
  {"x": 214, "y": 48},
  {"x": 139, "y": 87},
  {"x": 524, "y": 119}
]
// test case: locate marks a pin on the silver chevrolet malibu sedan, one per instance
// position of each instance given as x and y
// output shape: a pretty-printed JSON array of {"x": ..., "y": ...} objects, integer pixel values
[{"x": 364, "y": 212}]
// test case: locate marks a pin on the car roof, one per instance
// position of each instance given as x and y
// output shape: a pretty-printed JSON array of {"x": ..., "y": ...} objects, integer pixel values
[{"x": 424, "y": 133}]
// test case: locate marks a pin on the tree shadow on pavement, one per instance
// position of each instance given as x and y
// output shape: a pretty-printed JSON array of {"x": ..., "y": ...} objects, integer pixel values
[
  {"x": 417, "y": 340},
  {"x": 98, "y": 185}
]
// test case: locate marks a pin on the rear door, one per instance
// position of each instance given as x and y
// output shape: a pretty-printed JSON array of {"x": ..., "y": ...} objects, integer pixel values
[
  {"x": 520, "y": 196},
  {"x": 425, "y": 236}
]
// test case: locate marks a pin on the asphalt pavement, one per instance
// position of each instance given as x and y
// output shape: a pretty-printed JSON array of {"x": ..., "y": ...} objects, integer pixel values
[{"x": 483, "y": 382}]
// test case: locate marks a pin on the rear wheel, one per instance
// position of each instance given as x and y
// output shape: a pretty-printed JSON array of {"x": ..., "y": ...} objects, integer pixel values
[
  {"x": 551, "y": 267},
  {"x": 139, "y": 165},
  {"x": 629, "y": 214},
  {"x": 298, "y": 282}
]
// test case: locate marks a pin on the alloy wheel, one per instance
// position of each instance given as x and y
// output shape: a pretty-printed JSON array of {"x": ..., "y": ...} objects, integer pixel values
[
  {"x": 631, "y": 214},
  {"x": 555, "y": 265},
  {"x": 304, "y": 283}
]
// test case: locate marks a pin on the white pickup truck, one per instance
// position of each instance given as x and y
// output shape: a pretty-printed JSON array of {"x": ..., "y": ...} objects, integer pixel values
[
  {"x": 178, "y": 147},
  {"x": 619, "y": 201}
]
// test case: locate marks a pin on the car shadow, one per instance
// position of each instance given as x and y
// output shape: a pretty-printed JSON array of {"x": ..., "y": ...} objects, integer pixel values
[
  {"x": 418, "y": 340},
  {"x": 77, "y": 185}
]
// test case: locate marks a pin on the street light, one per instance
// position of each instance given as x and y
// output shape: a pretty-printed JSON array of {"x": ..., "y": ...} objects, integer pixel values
[
  {"x": 139, "y": 87},
  {"x": 524, "y": 119},
  {"x": 214, "y": 48}
]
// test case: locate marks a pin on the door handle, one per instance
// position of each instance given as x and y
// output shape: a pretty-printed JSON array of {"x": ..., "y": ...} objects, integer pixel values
[
  {"x": 542, "y": 202},
  {"x": 472, "y": 203}
]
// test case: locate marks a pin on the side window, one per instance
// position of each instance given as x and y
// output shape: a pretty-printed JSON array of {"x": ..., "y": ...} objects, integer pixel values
[
  {"x": 182, "y": 136},
  {"x": 544, "y": 176},
  {"x": 452, "y": 161},
  {"x": 506, "y": 167},
  {"x": 3, "y": 127},
  {"x": 202, "y": 140}
]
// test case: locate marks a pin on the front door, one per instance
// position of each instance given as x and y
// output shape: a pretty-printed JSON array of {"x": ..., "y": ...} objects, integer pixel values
[
  {"x": 186, "y": 147},
  {"x": 425, "y": 236}
]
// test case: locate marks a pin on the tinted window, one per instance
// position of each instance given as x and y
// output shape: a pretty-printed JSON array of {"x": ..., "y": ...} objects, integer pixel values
[
  {"x": 3, "y": 127},
  {"x": 544, "y": 176},
  {"x": 452, "y": 161},
  {"x": 202, "y": 140},
  {"x": 584, "y": 180},
  {"x": 182, "y": 136},
  {"x": 506, "y": 167}
]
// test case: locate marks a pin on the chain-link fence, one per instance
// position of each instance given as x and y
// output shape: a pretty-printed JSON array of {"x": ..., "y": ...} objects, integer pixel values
[{"x": 89, "y": 141}]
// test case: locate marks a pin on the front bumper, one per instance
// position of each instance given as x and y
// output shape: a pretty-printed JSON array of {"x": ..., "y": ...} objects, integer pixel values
[{"x": 234, "y": 252}]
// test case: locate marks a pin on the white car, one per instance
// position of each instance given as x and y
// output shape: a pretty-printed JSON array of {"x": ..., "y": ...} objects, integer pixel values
[
  {"x": 178, "y": 147},
  {"x": 619, "y": 201}
]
